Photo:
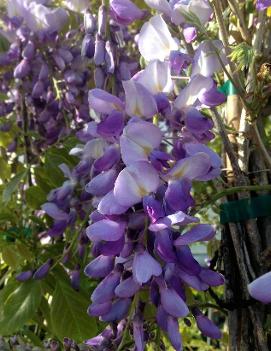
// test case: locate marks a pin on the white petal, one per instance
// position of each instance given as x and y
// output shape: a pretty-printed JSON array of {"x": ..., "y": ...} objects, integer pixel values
[
  {"x": 156, "y": 77},
  {"x": 155, "y": 40}
]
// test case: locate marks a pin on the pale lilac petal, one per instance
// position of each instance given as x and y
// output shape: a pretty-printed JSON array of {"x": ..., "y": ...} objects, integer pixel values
[
  {"x": 103, "y": 102},
  {"x": 200, "y": 232},
  {"x": 139, "y": 101},
  {"x": 172, "y": 303},
  {"x": 105, "y": 230},
  {"x": 193, "y": 167},
  {"x": 190, "y": 34},
  {"x": 189, "y": 95},
  {"x": 53, "y": 211},
  {"x": 260, "y": 288},
  {"x": 179, "y": 218},
  {"x": 194, "y": 149},
  {"x": 138, "y": 140},
  {"x": 160, "y": 5},
  {"x": 134, "y": 182},
  {"x": 206, "y": 60},
  {"x": 109, "y": 205},
  {"x": 144, "y": 267},
  {"x": 155, "y": 41},
  {"x": 125, "y": 11}
]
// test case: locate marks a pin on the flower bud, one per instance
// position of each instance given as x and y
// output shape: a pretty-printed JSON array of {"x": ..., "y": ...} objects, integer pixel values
[
  {"x": 99, "y": 55},
  {"x": 23, "y": 276},
  {"x": 88, "y": 46},
  {"x": 43, "y": 270}
]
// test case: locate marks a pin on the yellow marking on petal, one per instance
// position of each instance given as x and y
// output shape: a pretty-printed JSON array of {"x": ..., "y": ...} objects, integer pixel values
[
  {"x": 268, "y": 11},
  {"x": 180, "y": 172}
]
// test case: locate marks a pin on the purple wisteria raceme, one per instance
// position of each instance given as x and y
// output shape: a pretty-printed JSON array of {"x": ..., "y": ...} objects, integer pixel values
[{"x": 262, "y": 4}]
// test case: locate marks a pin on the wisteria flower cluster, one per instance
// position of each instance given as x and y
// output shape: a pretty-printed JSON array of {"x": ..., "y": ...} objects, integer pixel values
[{"x": 140, "y": 157}]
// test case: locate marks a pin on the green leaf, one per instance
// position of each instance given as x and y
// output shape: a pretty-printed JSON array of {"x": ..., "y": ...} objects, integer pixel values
[
  {"x": 35, "y": 197},
  {"x": 13, "y": 185},
  {"x": 69, "y": 314},
  {"x": 11, "y": 256},
  {"x": 19, "y": 307}
]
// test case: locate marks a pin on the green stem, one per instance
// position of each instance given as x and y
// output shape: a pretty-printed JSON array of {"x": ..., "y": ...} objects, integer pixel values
[
  {"x": 238, "y": 189},
  {"x": 126, "y": 330}
]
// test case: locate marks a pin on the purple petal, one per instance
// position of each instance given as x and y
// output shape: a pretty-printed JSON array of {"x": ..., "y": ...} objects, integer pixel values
[
  {"x": 100, "y": 267},
  {"x": 200, "y": 232},
  {"x": 211, "y": 278},
  {"x": 105, "y": 230},
  {"x": 153, "y": 208},
  {"x": 112, "y": 248},
  {"x": 127, "y": 288},
  {"x": 192, "y": 280},
  {"x": 178, "y": 196},
  {"x": 174, "y": 333},
  {"x": 144, "y": 267},
  {"x": 96, "y": 309},
  {"x": 186, "y": 260},
  {"x": 102, "y": 183},
  {"x": 173, "y": 303},
  {"x": 110, "y": 157},
  {"x": 118, "y": 311},
  {"x": 53, "y": 211},
  {"x": 207, "y": 327},
  {"x": 164, "y": 246},
  {"x": 23, "y": 276},
  {"x": 112, "y": 125},
  {"x": 260, "y": 288},
  {"x": 138, "y": 333},
  {"x": 212, "y": 97},
  {"x": 105, "y": 289}
]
